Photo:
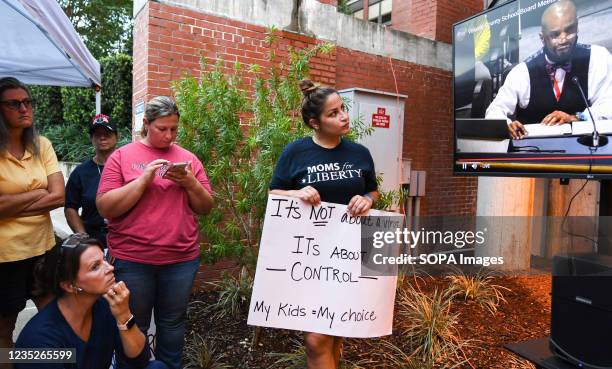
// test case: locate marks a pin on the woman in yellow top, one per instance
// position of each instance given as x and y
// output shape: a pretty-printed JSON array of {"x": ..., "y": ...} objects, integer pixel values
[{"x": 31, "y": 185}]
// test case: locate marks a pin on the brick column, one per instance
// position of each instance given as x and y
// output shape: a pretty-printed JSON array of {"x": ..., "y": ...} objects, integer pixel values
[{"x": 140, "y": 57}]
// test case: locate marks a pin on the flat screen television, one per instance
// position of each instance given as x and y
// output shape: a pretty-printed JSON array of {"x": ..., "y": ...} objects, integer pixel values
[{"x": 519, "y": 69}]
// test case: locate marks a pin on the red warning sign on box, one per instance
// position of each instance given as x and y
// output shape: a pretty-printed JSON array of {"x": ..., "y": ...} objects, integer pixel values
[{"x": 380, "y": 119}]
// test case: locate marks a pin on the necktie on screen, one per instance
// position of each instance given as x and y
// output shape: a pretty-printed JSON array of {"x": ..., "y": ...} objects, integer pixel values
[{"x": 551, "y": 69}]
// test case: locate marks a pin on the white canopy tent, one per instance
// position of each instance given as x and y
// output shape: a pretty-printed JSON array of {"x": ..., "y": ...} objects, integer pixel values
[{"x": 40, "y": 46}]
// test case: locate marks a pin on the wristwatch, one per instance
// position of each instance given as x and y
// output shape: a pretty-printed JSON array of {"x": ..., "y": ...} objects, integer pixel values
[{"x": 128, "y": 324}]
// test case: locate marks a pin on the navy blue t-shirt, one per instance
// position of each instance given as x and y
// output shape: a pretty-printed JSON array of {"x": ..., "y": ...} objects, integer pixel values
[
  {"x": 81, "y": 193},
  {"x": 49, "y": 329},
  {"x": 338, "y": 173}
]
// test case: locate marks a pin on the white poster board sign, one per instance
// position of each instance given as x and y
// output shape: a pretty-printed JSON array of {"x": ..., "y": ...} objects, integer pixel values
[{"x": 308, "y": 274}]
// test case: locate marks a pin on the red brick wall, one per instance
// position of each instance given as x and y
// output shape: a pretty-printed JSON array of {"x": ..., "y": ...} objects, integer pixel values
[
  {"x": 168, "y": 42},
  {"x": 176, "y": 38},
  {"x": 432, "y": 19},
  {"x": 452, "y": 11},
  {"x": 414, "y": 16}
]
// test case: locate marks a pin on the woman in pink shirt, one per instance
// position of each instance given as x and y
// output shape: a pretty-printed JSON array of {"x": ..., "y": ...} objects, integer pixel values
[{"x": 151, "y": 208}]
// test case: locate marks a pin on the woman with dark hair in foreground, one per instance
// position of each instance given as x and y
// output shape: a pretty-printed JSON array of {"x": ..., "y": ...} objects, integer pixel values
[{"x": 90, "y": 312}]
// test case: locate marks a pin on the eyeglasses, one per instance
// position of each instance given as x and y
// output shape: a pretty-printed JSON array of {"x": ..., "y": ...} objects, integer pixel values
[{"x": 16, "y": 104}]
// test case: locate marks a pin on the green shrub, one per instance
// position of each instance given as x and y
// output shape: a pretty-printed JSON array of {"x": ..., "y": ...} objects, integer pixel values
[
  {"x": 234, "y": 295},
  {"x": 63, "y": 114},
  {"x": 201, "y": 353},
  {"x": 296, "y": 359},
  {"x": 70, "y": 141},
  {"x": 397, "y": 358},
  {"x": 239, "y": 139},
  {"x": 117, "y": 89},
  {"x": 429, "y": 325},
  {"x": 478, "y": 288},
  {"x": 48, "y": 110},
  {"x": 80, "y": 103}
]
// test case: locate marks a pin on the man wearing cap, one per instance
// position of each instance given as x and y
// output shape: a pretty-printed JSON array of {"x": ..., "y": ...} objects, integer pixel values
[{"x": 83, "y": 182}]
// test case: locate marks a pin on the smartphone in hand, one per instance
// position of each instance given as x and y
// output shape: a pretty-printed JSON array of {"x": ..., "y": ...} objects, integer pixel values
[{"x": 176, "y": 167}]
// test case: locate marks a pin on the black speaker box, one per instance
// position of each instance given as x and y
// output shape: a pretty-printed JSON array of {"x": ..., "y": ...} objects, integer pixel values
[{"x": 581, "y": 310}]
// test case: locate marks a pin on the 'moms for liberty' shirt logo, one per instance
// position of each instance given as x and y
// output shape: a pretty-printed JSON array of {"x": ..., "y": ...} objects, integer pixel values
[{"x": 330, "y": 172}]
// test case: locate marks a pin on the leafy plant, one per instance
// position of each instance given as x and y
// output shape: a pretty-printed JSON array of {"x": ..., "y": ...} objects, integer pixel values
[
  {"x": 478, "y": 288},
  {"x": 429, "y": 325},
  {"x": 48, "y": 109},
  {"x": 65, "y": 113},
  {"x": 105, "y": 25},
  {"x": 296, "y": 358},
  {"x": 397, "y": 358},
  {"x": 71, "y": 141},
  {"x": 234, "y": 295},
  {"x": 79, "y": 103},
  {"x": 388, "y": 199},
  {"x": 239, "y": 139},
  {"x": 201, "y": 353}
]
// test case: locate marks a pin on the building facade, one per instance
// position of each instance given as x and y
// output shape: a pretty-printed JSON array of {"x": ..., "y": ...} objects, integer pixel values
[{"x": 413, "y": 58}]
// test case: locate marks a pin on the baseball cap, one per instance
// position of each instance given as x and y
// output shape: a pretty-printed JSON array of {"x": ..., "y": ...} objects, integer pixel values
[{"x": 102, "y": 120}]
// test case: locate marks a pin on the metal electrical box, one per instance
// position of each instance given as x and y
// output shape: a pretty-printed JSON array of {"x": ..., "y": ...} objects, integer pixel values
[{"x": 384, "y": 112}]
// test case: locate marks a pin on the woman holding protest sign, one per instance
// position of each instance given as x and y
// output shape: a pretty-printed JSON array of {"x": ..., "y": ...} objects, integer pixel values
[{"x": 325, "y": 167}]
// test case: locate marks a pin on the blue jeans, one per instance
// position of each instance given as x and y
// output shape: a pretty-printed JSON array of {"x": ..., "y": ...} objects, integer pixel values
[{"x": 165, "y": 289}]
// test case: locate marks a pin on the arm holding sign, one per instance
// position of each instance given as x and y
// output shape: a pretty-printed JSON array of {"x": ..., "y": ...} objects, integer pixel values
[
  {"x": 362, "y": 204},
  {"x": 308, "y": 194}
]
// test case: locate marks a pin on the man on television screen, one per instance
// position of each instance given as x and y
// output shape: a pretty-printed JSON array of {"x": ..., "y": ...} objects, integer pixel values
[{"x": 540, "y": 89}]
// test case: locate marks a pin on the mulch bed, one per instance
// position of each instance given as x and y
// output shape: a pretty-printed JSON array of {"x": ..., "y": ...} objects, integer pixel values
[{"x": 525, "y": 315}]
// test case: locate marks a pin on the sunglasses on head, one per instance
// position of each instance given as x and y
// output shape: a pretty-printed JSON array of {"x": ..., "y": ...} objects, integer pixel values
[
  {"x": 16, "y": 104},
  {"x": 74, "y": 240},
  {"x": 69, "y": 243}
]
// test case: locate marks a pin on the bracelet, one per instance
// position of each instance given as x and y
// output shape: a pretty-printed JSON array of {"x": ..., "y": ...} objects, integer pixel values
[{"x": 369, "y": 197}]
